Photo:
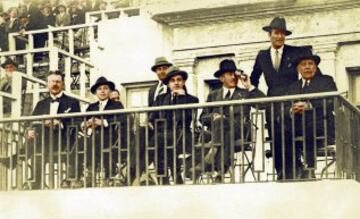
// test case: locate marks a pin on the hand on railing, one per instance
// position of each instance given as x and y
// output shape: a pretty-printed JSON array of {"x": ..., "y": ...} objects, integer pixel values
[
  {"x": 217, "y": 116},
  {"x": 30, "y": 134},
  {"x": 55, "y": 123},
  {"x": 151, "y": 126},
  {"x": 299, "y": 107}
]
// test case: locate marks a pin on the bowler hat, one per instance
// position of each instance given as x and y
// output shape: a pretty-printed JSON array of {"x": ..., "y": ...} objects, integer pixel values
[
  {"x": 306, "y": 55},
  {"x": 8, "y": 61},
  {"x": 160, "y": 61},
  {"x": 226, "y": 65},
  {"x": 102, "y": 81},
  {"x": 277, "y": 23},
  {"x": 173, "y": 71}
]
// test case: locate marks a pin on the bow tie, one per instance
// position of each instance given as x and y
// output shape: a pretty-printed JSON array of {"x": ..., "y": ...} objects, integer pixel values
[{"x": 55, "y": 100}]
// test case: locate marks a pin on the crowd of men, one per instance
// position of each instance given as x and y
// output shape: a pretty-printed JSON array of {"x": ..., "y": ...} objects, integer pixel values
[
  {"x": 33, "y": 15},
  {"x": 287, "y": 70}
]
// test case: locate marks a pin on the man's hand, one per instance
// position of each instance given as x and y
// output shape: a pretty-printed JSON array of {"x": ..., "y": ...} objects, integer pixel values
[
  {"x": 55, "y": 123},
  {"x": 244, "y": 81},
  {"x": 30, "y": 134},
  {"x": 179, "y": 91},
  {"x": 299, "y": 107},
  {"x": 217, "y": 116}
]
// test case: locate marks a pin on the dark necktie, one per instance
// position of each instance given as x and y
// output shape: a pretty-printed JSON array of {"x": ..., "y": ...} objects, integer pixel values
[
  {"x": 228, "y": 95},
  {"x": 306, "y": 86},
  {"x": 55, "y": 100},
  {"x": 173, "y": 99}
]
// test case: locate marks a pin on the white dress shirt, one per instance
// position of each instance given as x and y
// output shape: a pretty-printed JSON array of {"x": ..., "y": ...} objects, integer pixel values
[
  {"x": 273, "y": 54},
  {"x": 157, "y": 93},
  {"x": 54, "y": 106}
]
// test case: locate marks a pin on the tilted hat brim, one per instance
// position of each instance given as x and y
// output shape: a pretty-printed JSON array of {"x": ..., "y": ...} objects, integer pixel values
[
  {"x": 153, "y": 68},
  {"x": 174, "y": 73},
  {"x": 316, "y": 59},
  {"x": 95, "y": 86},
  {"x": 269, "y": 28}
]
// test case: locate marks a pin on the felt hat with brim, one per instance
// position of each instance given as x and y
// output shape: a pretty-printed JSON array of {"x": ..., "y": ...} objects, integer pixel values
[
  {"x": 173, "y": 71},
  {"x": 9, "y": 61},
  {"x": 226, "y": 65},
  {"x": 297, "y": 59},
  {"x": 277, "y": 23},
  {"x": 160, "y": 61},
  {"x": 60, "y": 6},
  {"x": 102, "y": 81}
]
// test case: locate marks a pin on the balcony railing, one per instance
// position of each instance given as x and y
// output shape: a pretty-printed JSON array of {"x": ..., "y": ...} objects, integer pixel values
[{"x": 239, "y": 146}]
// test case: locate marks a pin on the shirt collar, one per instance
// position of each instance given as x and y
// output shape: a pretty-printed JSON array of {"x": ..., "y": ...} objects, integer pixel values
[
  {"x": 59, "y": 95},
  {"x": 103, "y": 102},
  {"x": 303, "y": 81},
  {"x": 272, "y": 49},
  {"x": 228, "y": 89}
]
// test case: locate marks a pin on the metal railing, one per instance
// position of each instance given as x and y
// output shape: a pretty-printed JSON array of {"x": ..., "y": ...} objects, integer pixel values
[
  {"x": 74, "y": 39},
  {"x": 96, "y": 16},
  {"x": 244, "y": 144},
  {"x": 76, "y": 71}
]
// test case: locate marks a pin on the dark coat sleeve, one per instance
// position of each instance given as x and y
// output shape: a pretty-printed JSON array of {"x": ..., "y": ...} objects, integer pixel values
[
  {"x": 206, "y": 115},
  {"x": 257, "y": 72}
]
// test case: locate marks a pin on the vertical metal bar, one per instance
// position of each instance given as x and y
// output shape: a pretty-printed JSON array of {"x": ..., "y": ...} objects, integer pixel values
[
  {"x": 3, "y": 170},
  {"x": 42, "y": 154},
  {"x": 242, "y": 137},
  {"x": 12, "y": 41},
  {"x": 137, "y": 143},
  {"x": 50, "y": 39},
  {"x": 325, "y": 121},
  {"x": 82, "y": 80},
  {"x": 93, "y": 161},
  {"x": 30, "y": 44},
  {"x": 51, "y": 155},
  {"x": 18, "y": 167},
  {"x": 193, "y": 120},
  {"x": 339, "y": 118},
  {"x": 102, "y": 169},
  {"x": 147, "y": 151},
  {"x": 54, "y": 59},
  {"x": 293, "y": 143},
  {"x": 128, "y": 158},
  {"x": 71, "y": 41},
  {"x": 273, "y": 140},
  {"x": 232, "y": 143},
  {"x": 222, "y": 145},
  {"x": 67, "y": 74},
  {"x": 283, "y": 148},
  {"x": 184, "y": 137},
  {"x": 174, "y": 170}
]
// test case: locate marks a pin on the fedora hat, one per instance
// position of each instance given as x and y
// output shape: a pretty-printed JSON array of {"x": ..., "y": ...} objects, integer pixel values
[
  {"x": 102, "y": 81},
  {"x": 160, "y": 61},
  {"x": 9, "y": 61},
  {"x": 277, "y": 23},
  {"x": 306, "y": 55},
  {"x": 226, "y": 65},
  {"x": 173, "y": 71}
]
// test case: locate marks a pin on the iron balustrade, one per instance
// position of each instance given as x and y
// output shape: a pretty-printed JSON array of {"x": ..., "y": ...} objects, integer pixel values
[{"x": 167, "y": 145}]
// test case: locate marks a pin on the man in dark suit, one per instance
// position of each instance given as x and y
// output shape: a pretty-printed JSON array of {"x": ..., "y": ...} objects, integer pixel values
[
  {"x": 50, "y": 133},
  {"x": 169, "y": 122},
  {"x": 311, "y": 81},
  {"x": 215, "y": 119},
  {"x": 160, "y": 67},
  {"x": 279, "y": 72},
  {"x": 106, "y": 132}
]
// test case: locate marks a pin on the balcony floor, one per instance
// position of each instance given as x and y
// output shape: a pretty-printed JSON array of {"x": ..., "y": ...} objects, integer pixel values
[{"x": 320, "y": 199}]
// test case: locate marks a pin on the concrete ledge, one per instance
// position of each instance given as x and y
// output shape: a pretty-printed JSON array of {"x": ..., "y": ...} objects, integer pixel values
[{"x": 322, "y": 199}]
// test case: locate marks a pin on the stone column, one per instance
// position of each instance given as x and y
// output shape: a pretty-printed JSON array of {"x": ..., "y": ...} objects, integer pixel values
[{"x": 327, "y": 53}]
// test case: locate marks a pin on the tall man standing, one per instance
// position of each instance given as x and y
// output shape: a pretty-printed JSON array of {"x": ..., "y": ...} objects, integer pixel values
[
  {"x": 279, "y": 72},
  {"x": 160, "y": 67}
]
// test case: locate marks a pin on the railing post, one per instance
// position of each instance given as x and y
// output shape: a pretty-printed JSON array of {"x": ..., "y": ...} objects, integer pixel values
[
  {"x": 82, "y": 80},
  {"x": 30, "y": 44},
  {"x": 339, "y": 138},
  {"x": 12, "y": 42},
  {"x": 71, "y": 41},
  {"x": 50, "y": 38},
  {"x": 16, "y": 90},
  {"x": 68, "y": 74},
  {"x": 54, "y": 59}
]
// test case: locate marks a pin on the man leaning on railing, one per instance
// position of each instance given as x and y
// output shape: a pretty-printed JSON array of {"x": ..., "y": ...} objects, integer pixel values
[
  {"x": 304, "y": 113},
  {"x": 50, "y": 132}
]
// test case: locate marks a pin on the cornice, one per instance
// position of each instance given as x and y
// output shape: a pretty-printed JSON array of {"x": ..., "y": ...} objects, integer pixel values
[{"x": 204, "y": 16}]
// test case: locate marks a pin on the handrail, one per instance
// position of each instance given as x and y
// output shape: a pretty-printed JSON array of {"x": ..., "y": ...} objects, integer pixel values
[
  {"x": 54, "y": 29},
  {"x": 77, "y": 58},
  {"x": 349, "y": 105},
  {"x": 7, "y": 95},
  {"x": 184, "y": 106},
  {"x": 24, "y": 51}
]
